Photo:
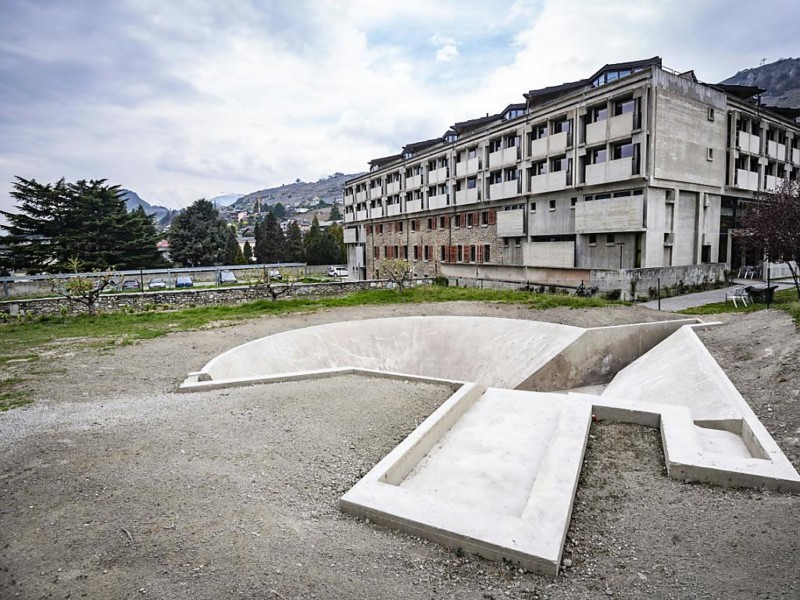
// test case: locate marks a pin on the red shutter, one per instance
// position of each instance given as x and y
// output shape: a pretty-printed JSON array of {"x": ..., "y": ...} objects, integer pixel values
[
  {"x": 453, "y": 254},
  {"x": 369, "y": 229},
  {"x": 430, "y": 252},
  {"x": 491, "y": 217},
  {"x": 480, "y": 253},
  {"x": 476, "y": 218},
  {"x": 433, "y": 222}
]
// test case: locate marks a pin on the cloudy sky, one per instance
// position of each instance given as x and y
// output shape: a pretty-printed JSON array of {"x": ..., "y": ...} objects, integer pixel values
[{"x": 184, "y": 99}]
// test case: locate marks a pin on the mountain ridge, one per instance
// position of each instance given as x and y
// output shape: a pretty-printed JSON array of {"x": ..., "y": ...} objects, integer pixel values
[{"x": 780, "y": 79}]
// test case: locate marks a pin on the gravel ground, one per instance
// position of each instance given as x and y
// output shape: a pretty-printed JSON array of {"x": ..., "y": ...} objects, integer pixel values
[{"x": 115, "y": 486}]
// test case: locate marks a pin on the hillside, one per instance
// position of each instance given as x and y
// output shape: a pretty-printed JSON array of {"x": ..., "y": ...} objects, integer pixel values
[
  {"x": 163, "y": 215},
  {"x": 326, "y": 189},
  {"x": 781, "y": 79}
]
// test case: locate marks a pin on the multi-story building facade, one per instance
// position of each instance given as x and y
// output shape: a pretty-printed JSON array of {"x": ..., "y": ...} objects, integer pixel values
[{"x": 633, "y": 173}]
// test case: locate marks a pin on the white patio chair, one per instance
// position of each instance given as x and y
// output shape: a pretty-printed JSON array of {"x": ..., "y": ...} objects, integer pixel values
[{"x": 739, "y": 294}]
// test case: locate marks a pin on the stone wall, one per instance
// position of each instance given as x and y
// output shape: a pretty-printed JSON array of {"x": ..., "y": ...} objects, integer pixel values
[{"x": 179, "y": 299}]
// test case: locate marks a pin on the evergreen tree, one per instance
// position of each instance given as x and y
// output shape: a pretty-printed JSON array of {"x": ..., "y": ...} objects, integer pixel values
[
  {"x": 336, "y": 233},
  {"x": 83, "y": 221},
  {"x": 335, "y": 214},
  {"x": 279, "y": 210},
  {"x": 247, "y": 253},
  {"x": 240, "y": 259},
  {"x": 270, "y": 241},
  {"x": 231, "y": 246},
  {"x": 313, "y": 244},
  {"x": 197, "y": 236},
  {"x": 294, "y": 243}
]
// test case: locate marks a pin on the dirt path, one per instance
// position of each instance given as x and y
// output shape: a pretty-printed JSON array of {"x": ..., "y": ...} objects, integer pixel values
[{"x": 115, "y": 486}]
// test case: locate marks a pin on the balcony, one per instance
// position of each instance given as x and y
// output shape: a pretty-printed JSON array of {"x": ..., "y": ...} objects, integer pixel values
[
  {"x": 468, "y": 167},
  {"x": 538, "y": 148},
  {"x": 748, "y": 143},
  {"x": 393, "y": 188},
  {"x": 350, "y": 235},
  {"x": 611, "y": 214},
  {"x": 505, "y": 157},
  {"x": 440, "y": 201},
  {"x": 438, "y": 175},
  {"x": 746, "y": 180},
  {"x": 550, "y": 182},
  {"x": 349, "y": 199},
  {"x": 468, "y": 196},
  {"x": 596, "y": 132},
  {"x": 613, "y": 170},
  {"x": 413, "y": 206},
  {"x": 796, "y": 156},
  {"x": 511, "y": 223},
  {"x": 776, "y": 150},
  {"x": 771, "y": 183},
  {"x": 394, "y": 209},
  {"x": 375, "y": 193},
  {"x": 414, "y": 181},
  {"x": 559, "y": 142},
  {"x": 361, "y": 215},
  {"x": 620, "y": 126},
  {"x": 506, "y": 189},
  {"x": 361, "y": 196}
]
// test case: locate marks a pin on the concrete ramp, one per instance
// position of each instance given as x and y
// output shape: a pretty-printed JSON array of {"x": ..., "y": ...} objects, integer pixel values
[
  {"x": 490, "y": 351},
  {"x": 680, "y": 370}
]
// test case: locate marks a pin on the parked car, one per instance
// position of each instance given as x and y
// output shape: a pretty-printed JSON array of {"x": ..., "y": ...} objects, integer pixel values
[
  {"x": 226, "y": 277},
  {"x": 129, "y": 284},
  {"x": 157, "y": 284},
  {"x": 184, "y": 281},
  {"x": 338, "y": 272}
]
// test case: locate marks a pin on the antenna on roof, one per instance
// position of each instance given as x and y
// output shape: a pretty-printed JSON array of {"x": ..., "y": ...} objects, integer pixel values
[{"x": 763, "y": 61}]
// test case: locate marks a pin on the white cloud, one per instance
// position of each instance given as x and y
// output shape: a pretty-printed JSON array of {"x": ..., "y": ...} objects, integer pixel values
[{"x": 447, "y": 48}]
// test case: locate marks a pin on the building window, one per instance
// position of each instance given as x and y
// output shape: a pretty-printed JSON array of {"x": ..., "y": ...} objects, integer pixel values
[
  {"x": 426, "y": 252},
  {"x": 369, "y": 229},
  {"x": 597, "y": 155},
  {"x": 593, "y": 239},
  {"x": 472, "y": 254},
  {"x": 573, "y": 202},
  {"x": 710, "y": 154},
  {"x": 710, "y": 113},
  {"x": 496, "y": 177},
  {"x": 413, "y": 224},
  {"x": 399, "y": 227},
  {"x": 622, "y": 107},
  {"x": 486, "y": 249},
  {"x": 495, "y": 145},
  {"x": 460, "y": 251},
  {"x": 472, "y": 183},
  {"x": 552, "y": 205},
  {"x": 470, "y": 219},
  {"x": 539, "y": 131},
  {"x": 610, "y": 239},
  {"x": 379, "y": 228},
  {"x": 416, "y": 253},
  {"x": 539, "y": 168},
  {"x": 622, "y": 150},
  {"x": 510, "y": 174},
  {"x": 598, "y": 113},
  {"x": 430, "y": 223},
  {"x": 485, "y": 218},
  {"x": 456, "y": 220},
  {"x": 376, "y": 252},
  {"x": 560, "y": 163},
  {"x": 443, "y": 253},
  {"x": 533, "y": 207}
]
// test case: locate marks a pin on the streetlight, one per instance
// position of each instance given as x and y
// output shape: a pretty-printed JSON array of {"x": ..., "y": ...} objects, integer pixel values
[{"x": 620, "y": 244}]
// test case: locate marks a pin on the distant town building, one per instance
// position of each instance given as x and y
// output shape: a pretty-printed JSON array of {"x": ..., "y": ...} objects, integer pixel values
[{"x": 632, "y": 174}]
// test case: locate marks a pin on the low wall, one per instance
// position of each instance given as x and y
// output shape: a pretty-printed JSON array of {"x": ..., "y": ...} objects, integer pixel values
[
  {"x": 178, "y": 299},
  {"x": 673, "y": 277}
]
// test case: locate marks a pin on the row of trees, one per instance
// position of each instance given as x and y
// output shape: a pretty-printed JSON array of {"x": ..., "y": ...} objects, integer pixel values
[{"x": 199, "y": 237}]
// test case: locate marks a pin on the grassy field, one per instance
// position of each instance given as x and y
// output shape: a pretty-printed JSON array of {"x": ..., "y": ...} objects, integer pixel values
[{"x": 784, "y": 300}]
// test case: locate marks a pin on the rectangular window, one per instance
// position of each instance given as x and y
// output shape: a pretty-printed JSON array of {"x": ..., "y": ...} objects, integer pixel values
[
  {"x": 539, "y": 131},
  {"x": 413, "y": 225},
  {"x": 610, "y": 239},
  {"x": 597, "y": 155},
  {"x": 469, "y": 220},
  {"x": 552, "y": 205},
  {"x": 593, "y": 239},
  {"x": 622, "y": 107},
  {"x": 573, "y": 202},
  {"x": 443, "y": 253},
  {"x": 495, "y": 145},
  {"x": 710, "y": 154},
  {"x": 369, "y": 229},
  {"x": 510, "y": 174},
  {"x": 442, "y": 222},
  {"x": 533, "y": 207},
  {"x": 426, "y": 252},
  {"x": 496, "y": 177},
  {"x": 486, "y": 249},
  {"x": 460, "y": 255},
  {"x": 560, "y": 163},
  {"x": 539, "y": 168},
  {"x": 399, "y": 227},
  {"x": 710, "y": 113},
  {"x": 622, "y": 150},
  {"x": 472, "y": 254},
  {"x": 472, "y": 183},
  {"x": 598, "y": 113},
  {"x": 416, "y": 252},
  {"x": 379, "y": 227},
  {"x": 456, "y": 220},
  {"x": 485, "y": 217},
  {"x": 386, "y": 252},
  {"x": 472, "y": 152},
  {"x": 431, "y": 223},
  {"x": 376, "y": 252}
]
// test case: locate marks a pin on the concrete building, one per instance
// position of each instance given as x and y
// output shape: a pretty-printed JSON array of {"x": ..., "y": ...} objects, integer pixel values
[{"x": 632, "y": 174}]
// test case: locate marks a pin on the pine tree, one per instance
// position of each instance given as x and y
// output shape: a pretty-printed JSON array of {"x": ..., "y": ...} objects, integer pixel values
[
  {"x": 335, "y": 214},
  {"x": 231, "y": 246},
  {"x": 313, "y": 244},
  {"x": 83, "y": 221},
  {"x": 197, "y": 236},
  {"x": 270, "y": 241},
  {"x": 247, "y": 253},
  {"x": 294, "y": 243}
]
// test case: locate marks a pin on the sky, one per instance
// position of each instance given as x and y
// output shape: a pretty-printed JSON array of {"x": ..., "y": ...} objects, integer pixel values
[{"x": 187, "y": 99}]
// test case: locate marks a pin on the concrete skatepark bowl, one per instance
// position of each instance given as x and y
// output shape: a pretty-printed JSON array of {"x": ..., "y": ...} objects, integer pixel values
[{"x": 494, "y": 470}]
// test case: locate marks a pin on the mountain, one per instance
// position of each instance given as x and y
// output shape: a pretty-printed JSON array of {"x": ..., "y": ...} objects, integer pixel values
[
  {"x": 225, "y": 199},
  {"x": 163, "y": 215},
  {"x": 781, "y": 79},
  {"x": 326, "y": 189}
]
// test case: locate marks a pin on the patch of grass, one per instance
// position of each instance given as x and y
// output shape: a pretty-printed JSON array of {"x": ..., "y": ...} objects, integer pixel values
[
  {"x": 784, "y": 300},
  {"x": 11, "y": 397},
  {"x": 21, "y": 338}
]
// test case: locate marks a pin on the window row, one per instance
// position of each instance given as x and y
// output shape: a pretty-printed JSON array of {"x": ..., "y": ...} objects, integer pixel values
[{"x": 473, "y": 253}]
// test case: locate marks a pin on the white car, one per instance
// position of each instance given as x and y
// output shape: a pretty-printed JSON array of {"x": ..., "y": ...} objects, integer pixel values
[{"x": 338, "y": 272}]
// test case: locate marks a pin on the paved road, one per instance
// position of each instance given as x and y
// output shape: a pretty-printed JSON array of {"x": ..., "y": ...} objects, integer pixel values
[{"x": 676, "y": 303}]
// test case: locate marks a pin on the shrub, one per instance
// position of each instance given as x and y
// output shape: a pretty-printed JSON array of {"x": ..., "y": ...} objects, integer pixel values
[
  {"x": 440, "y": 280},
  {"x": 613, "y": 294}
]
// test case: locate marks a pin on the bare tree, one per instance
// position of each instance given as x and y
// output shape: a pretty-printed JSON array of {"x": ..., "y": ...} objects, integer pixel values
[
  {"x": 81, "y": 289},
  {"x": 771, "y": 225},
  {"x": 274, "y": 282},
  {"x": 396, "y": 270}
]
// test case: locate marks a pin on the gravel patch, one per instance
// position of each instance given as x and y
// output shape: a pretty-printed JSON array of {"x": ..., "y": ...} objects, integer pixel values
[{"x": 116, "y": 486}]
